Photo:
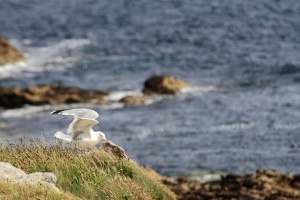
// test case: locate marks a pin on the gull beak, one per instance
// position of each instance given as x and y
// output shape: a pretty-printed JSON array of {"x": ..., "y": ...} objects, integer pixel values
[{"x": 105, "y": 139}]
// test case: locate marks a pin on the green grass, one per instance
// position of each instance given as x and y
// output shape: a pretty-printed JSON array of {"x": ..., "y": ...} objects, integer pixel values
[{"x": 89, "y": 175}]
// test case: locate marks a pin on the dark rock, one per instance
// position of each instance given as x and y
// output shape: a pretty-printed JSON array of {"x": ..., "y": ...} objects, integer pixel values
[
  {"x": 264, "y": 184},
  {"x": 48, "y": 94},
  {"x": 8, "y": 53},
  {"x": 54, "y": 94},
  {"x": 164, "y": 85},
  {"x": 113, "y": 149}
]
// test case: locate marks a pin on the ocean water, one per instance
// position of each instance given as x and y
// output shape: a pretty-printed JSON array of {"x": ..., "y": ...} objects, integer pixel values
[{"x": 247, "y": 50}]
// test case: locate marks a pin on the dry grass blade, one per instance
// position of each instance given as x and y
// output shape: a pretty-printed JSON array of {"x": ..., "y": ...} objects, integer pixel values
[{"x": 86, "y": 174}]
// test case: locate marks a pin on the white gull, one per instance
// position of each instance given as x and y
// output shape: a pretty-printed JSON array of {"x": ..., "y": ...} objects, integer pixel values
[{"x": 80, "y": 130}]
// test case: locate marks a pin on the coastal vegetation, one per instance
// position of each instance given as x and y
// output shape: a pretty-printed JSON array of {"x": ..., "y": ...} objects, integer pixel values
[
  {"x": 12, "y": 191},
  {"x": 94, "y": 174}
]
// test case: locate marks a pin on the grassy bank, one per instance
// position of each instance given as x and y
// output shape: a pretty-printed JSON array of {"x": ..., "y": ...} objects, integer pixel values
[
  {"x": 91, "y": 175},
  {"x": 11, "y": 191}
]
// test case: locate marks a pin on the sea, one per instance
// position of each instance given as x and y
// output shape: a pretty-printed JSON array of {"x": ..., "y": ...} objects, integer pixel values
[{"x": 245, "y": 53}]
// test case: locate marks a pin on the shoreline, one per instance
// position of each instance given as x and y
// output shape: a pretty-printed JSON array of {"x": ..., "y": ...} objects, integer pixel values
[
  {"x": 155, "y": 88},
  {"x": 262, "y": 184}
]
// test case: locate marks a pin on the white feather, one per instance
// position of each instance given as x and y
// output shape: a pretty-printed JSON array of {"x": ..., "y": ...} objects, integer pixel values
[{"x": 80, "y": 130}]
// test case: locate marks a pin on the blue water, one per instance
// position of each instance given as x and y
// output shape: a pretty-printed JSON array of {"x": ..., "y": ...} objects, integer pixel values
[{"x": 248, "y": 50}]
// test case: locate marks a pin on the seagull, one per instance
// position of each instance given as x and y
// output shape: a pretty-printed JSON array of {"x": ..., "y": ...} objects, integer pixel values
[{"x": 80, "y": 130}]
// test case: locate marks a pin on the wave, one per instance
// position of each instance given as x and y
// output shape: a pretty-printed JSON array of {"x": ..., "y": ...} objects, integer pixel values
[
  {"x": 114, "y": 97},
  {"x": 118, "y": 95},
  {"x": 55, "y": 57},
  {"x": 26, "y": 111},
  {"x": 31, "y": 110},
  {"x": 288, "y": 127},
  {"x": 198, "y": 90},
  {"x": 205, "y": 176},
  {"x": 9, "y": 70},
  {"x": 233, "y": 126}
]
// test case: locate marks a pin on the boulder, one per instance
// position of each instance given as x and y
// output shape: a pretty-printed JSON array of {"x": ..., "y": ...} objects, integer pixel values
[
  {"x": 134, "y": 100},
  {"x": 165, "y": 85},
  {"x": 48, "y": 94},
  {"x": 113, "y": 149},
  {"x": 15, "y": 97},
  {"x": 8, "y": 172},
  {"x": 17, "y": 176},
  {"x": 8, "y": 53}
]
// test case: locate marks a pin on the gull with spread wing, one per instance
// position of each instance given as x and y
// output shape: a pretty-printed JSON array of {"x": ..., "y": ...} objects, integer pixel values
[{"x": 80, "y": 130}]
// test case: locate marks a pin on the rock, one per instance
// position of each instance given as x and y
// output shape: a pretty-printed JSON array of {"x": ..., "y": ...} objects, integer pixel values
[
  {"x": 48, "y": 94},
  {"x": 113, "y": 149},
  {"x": 8, "y": 172},
  {"x": 9, "y": 54},
  {"x": 39, "y": 178},
  {"x": 17, "y": 176},
  {"x": 164, "y": 85},
  {"x": 134, "y": 100},
  {"x": 264, "y": 184},
  {"x": 15, "y": 97}
]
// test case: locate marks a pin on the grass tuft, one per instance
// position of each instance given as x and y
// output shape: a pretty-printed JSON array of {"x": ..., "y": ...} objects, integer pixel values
[
  {"x": 11, "y": 191},
  {"x": 88, "y": 175}
]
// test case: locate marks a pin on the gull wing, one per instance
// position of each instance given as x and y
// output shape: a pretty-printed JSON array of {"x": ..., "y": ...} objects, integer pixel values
[
  {"x": 78, "y": 113},
  {"x": 81, "y": 126}
]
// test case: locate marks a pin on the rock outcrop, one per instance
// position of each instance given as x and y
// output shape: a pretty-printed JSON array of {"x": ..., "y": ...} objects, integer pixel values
[
  {"x": 113, "y": 149},
  {"x": 134, "y": 100},
  {"x": 15, "y": 97},
  {"x": 14, "y": 175},
  {"x": 264, "y": 184},
  {"x": 164, "y": 85},
  {"x": 48, "y": 94},
  {"x": 8, "y": 53}
]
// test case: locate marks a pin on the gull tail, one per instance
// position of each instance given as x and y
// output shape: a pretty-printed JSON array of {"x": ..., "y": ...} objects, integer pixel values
[{"x": 63, "y": 136}]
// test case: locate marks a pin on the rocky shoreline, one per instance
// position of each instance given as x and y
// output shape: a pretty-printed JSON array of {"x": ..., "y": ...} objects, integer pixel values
[
  {"x": 15, "y": 97},
  {"x": 261, "y": 185}
]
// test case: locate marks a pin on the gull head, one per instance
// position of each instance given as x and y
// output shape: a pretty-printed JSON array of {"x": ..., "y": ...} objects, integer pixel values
[
  {"x": 101, "y": 136},
  {"x": 58, "y": 134}
]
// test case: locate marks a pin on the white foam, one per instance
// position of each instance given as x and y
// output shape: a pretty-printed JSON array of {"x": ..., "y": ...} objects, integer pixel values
[
  {"x": 26, "y": 111},
  {"x": 289, "y": 127},
  {"x": 114, "y": 97},
  {"x": 116, "y": 58},
  {"x": 55, "y": 57},
  {"x": 12, "y": 69},
  {"x": 198, "y": 89},
  {"x": 204, "y": 177},
  {"x": 228, "y": 127},
  {"x": 117, "y": 95},
  {"x": 112, "y": 106}
]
